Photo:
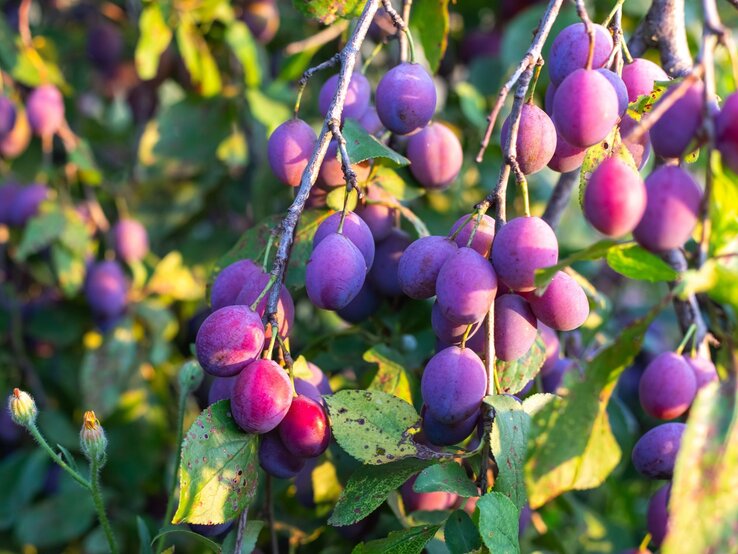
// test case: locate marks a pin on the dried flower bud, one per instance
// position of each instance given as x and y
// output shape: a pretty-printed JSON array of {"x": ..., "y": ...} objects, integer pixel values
[
  {"x": 190, "y": 376},
  {"x": 92, "y": 438},
  {"x": 22, "y": 408}
]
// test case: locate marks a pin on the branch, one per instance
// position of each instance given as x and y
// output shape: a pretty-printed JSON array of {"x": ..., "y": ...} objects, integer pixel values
[
  {"x": 241, "y": 529},
  {"x": 347, "y": 58},
  {"x": 530, "y": 58},
  {"x": 400, "y": 22},
  {"x": 348, "y": 173},
  {"x": 664, "y": 28},
  {"x": 559, "y": 199}
]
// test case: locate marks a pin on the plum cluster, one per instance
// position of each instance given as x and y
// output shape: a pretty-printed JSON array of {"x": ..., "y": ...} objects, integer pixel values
[{"x": 291, "y": 419}]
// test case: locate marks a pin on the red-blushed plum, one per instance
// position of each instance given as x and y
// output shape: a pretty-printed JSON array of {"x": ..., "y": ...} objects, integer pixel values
[
  {"x": 354, "y": 229},
  {"x": 466, "y": 286},
  {"x": 444, "y": 434},
  {"x": 289, "y": 148},
  {"x": 483, "y": 236},
  {"x": 453, "y": 384},
  {"x": 435, "y": 156},
  {"x": 276, "y": 460},
  {"x": 106, "y": 289},
  {"x": 305, "y": 431},
  {"x": 211, "y": 531},
  {"x": 362, "y": 306},
  {"x": 726, "y": 132},
  {"x": 551, "y": 340},
  {"x": 515, "y": 327},
  {"x": 657, "y": 516},
  {"x": 26, "y": 203},
  {"x": 704, "y": 370},
  {"x": 570, "y": 49},
  {"x": 619, "y": 86},
  {"x": 105, "y": 47},
  {"x": 262, "y": 19},
  {"x": 563, "y": 306},
  {"x": 261, "y": 396},
  {"x": 335, "y": 273},
  {"x": 331, "y": 174},
  {"x": 45, "y": 110},
  {"x": 521, "y": 246},
  {"x": 221, "y": 389},
  {"x": 566, "y": 157},
  {"x": 229, "y": 282},
  {"x": 379, "y": 217},
  {"x": 131, "y": 240},
  {"x": 536, "y": 141},
  {"x": 552, "y": 378},
  {"x": 357, "y": 96},
  {"x": 585, "y": 108},
  {"x": 371, "y": 122},
  {"x": 639, "y": 77},
  {"x": 655, "y": 452},
  {"x": 678, "y": 126},
  {"x": 405, "y": 98},
  {"x": 615, "y": 198},
  {"x": 420, "y": 264},
  {"x": 251, "y": 290},
  {"x": 446, "y": 330},
  {"x": 229, "y": 339},
  {"x": 672, "y": 206},
  {"x": 7, "y": 116},
  {"x": 667, "y": 386},
  {"x": 640, "y": 149},
  {"x": 15, "y": 142},
  {"x": 426, "y": 501},
  {"x": 383, "y": 275}
]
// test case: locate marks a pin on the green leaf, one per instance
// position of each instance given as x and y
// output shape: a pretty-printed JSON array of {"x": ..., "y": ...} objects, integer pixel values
[
  {"x": 173, "y": 279},
  {"x": 144, "y": 537},
  {"x": 369, "y": 486},
  {"x": 40, "y": 232},
  {"x": 327, "y": 11},
  {"x": 372, "y": 426},
  {"x": 69, "y": 269},
  {"x": 472, "y": 104},
  {"x": 391, "y": 181},
  {"x": 498, "y": 523},
  {"x": 391, "y": 376},
  {"x": 636, "y": 263},
  {"x": 336, "y": 198},
  {"x": 461, "y": 534},
  {"x": 266, "y": 109},
  {"x": 723, "y": 210},
  {"x": 233, "y": 150},
  {"x": 716, "y": 277},
  {"x": 509, "y": 441},
  {"x": 571, "y": 445},
  {"x": 22, "y": 474},
  {"x": 81, "y": 156},
  {"x": 250, "y": 536},
  {"x": 218, "y": 472},
  {"x": 155, "y": 36},
  {"x": 196, "y": 537},
  {"x": 445, "y": 477},
  {"x": 407, "y": 541},
  {"x": 514, "y": 375},
  {"x": 362, "y": 146},
  {"x": 242, "y": 42},
  {"x": 250, "y": 246},
  {"x": 702, "y": 507},
  {"x": 593, "y": 252},
  {"x": 430, "y": 18},
  {"x": 645, "y": 102},
  {"x": 197, "y": 58}
]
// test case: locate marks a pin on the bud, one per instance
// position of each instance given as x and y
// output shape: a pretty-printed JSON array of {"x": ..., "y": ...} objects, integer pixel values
[
  {"x": 92, "y": 438},
  {"x": 190, "y": 376},
  {"x": 22, "y": 408}
]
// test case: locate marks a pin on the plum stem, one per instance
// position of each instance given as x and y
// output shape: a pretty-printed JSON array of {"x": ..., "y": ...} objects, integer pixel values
[
  {"x": 453, "y": 235},
  {"x": 287, "y": 358},
  {"x": 534, "y": 82},
  {"x": 685, "y": 340},
  {"x": 643, "y": 547},
  {"x": 263, "y": 293},
  {"x": 615, "y": 9},
  {"x": 401, "y": 23},
  {"x": 478, "y": 219},
  {"x": 584, "y": 16}
]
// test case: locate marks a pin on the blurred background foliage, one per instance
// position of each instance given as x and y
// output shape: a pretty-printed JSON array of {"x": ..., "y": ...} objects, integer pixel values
[{"x": 170, "y": 104}]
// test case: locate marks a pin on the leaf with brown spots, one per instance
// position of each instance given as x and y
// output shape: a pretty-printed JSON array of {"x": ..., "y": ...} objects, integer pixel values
[
  {"x": 515, "y": 375},
  {"x": 406, "y": 541},
  {"x": 218, "y": 470}
]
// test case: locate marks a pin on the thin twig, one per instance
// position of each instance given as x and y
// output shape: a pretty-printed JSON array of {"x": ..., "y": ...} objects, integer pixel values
[
  {"x": 318, "y": 39},
  {"x": 664, "y": 28},
  {"x": 348, "y": 173},
  {"x": 560, "y": 196},
  {"x": 584, "y": 16},
  {"x": 243, "y": 518},
  {"x": 302, "y": 83},
  {"x": 406, "y": 6},
  {"x": 400, "y": 22}
]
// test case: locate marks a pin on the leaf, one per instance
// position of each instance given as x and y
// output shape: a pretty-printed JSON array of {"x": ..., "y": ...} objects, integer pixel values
[
  {"x": 40, "y": 232},
  {"x": 155, "y": 36},
  {"x": 173, "y": 279},
  {"x": 391, "y": 376},
  {"x": 244, "y": 47},
  {"x": 372, "y": 426},
  {"x": 472, "y": 104},
  {"x": 218, "y": 472},
  {"x": 509, "y": 442},
  {"x": 611, "y": 146},
  {"x": 514, "y": 375},
  {"x": 362, "y": 146},
  {"x": 461, "y": 534},
  {"x": 498, "y": 523},
  {"x": 369, "y": 486},
  {"x": 22, "y": 474},
  {"x": 336, "y": 198},
  {"x": 702, "y": 508},
  {"x": 593, "y": 252},
  {"x": 391, "y": 181},
  {"x": 144, "y": 537},
  {"x": 266, "y": 109},
  {"x": 430, "y": 18},
  {"x": 723, "y": 210},
  {"x": 209, "y": 543},
  {"x": 81, "y": 155},
  {"x": 69, "y": 269},
  {"x": 636, "y": 263},
  {"x": 407, "y": 541},
  {"x": 571, "y": 445},
  {"x": 327, "y": 11},
  {"x": 445, "y": 477},
  {"x": 645, "y": 102},
  {"x": 197, "y": 58},
  {"x": 250, "y": 246},
  {"x": 250, "y": 536}
]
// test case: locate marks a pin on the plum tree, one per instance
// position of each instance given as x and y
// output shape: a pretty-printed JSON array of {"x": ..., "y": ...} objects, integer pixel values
[
  {"x": 483, "y": 229},
  {"x": 384, "y": 275},
  {"x": 262, "y": 396},
  {"x": 570, "y": 49},
  {"x": 304, "y": 430},
  {"x": 131, "y": 240},
  {"x": 354, "y": 229},
  {"x": 334, "y": 273},
  {"x": 289, "y": 148},
  {"x": 639, "y": 77},
  {"x": 726, "y": 132},
  {"x": 563, "y": 306},
  {"x": 673, "y": 133},
  {"x": 615, "y": 198},
  {"x": 466, "y": 286},
  {"x": 655, "y": 452},
  {"x": 331, "y": 174},
  {"x": 435, "y": 156},
  {"x": 358, "y": 95},
  {"x": 667, "y": 386},
  {"x": 45, "y": 110},
  {"x": 251, "y": 290},
  {"x": 229, "y": 339},
  {"x": 536, "y": 142},
  {"x": 106, "y": 289},
  {"x": 229, "y": 282},
  {"x": 276, "y": 460},
  {"x": 420, "y": 264},
  {"x": 515, "y": 327},
  {"x": 405, "y": 98}
]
